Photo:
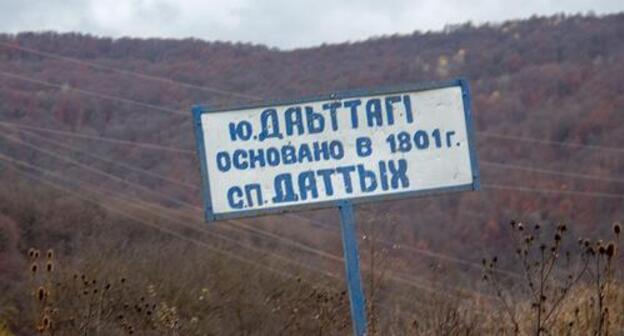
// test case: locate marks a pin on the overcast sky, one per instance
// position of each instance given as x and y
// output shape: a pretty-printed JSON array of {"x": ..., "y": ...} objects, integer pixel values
[{"x": 280, "y": 23}]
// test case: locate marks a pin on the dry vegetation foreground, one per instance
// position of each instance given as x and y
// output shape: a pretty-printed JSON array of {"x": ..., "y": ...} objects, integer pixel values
[{"x": 96, "y": 273}]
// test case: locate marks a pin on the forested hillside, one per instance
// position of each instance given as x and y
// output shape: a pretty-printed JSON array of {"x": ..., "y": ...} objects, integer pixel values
[{"x": 548, "y": 102}]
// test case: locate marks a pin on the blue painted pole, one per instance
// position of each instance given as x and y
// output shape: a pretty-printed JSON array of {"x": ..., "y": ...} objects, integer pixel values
[{"x": 352, "y": 266}]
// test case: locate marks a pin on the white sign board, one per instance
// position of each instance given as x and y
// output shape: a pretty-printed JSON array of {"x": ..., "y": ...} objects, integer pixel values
[{"x": 361, "y": 146}]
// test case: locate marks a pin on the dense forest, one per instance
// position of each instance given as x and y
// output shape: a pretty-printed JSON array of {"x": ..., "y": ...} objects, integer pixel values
[{"x": 548, "y": 101}]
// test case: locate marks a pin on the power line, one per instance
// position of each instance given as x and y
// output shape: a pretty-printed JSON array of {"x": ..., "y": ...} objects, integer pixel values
[
  {"x": 550, "y": 172},
  {"x": 288, "y": 241},
  {"x": 400, "y": 279},
  {"x": 158, "y": 194},
  {"x": 241, "y": 95},
  {"x": 406, "y": 247},
  {"x": 102, "y": 138},
  {"x": 552, "y": 191},
  {"x": 252, "y": 229},
  {"x": 154, "y": 226},
  {"x": 164, "y": 109},
  {"x": 183, "y": 83},
  {"x": 542, "y": 190},
  {"x": 394, "y": 276},
  {"x": 91, "y": 169},
  {"x": 194, "y": 240},
  {"x": 549, "y": 142},
  {"x": 333, "y": 257},
  {"x": 192, "y": 152},
  {"x": 131, "y": 202},
  {"x": 128, "y": 72},
  {"x": 265, "y": 233},
  {"x": 92, "y": 93},
  {"x": 114, "y": 162},
  {"x": 150, "y": 191},
  {"x": 180, "y": 150},
  {"x": 100, "y": 172},
  {"x": 481, "y": 133},
  {"x": 425, "y": 252}
]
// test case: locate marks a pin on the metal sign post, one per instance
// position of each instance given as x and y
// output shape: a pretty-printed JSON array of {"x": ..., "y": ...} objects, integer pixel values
[
  {"x": 352, "y": 267},
  {"x": 337, "y": 150}
]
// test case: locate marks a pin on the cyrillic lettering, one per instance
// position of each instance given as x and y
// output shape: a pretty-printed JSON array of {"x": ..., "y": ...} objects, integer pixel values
[
  {"x": 304, "y": 153},
  {"x": 273, "y": 156},
  {"x": 241, "y": 130},
  {"x": 238, "y": 158},
  {"x": 284, "y": 191},
  {"x": 346, "y": 177},
  {"x": 383, "y": 175},
  {"x": 235, "y": 198},
  {"x": 449, "y": 138},
  {"x": 363, "y": 146},
  {"x": 223, "y": 161},
  {"x": 333, "y": 115},
  {"x": 336, "y": 149},
  {"x": 373, "y": 112},
  {"x": 321, "y": 151},
  {"x": 270, "y": 125},
  {"x": 256, "y": 158},
  {"x": 250, "y": 200},
  {"x": 327, "y": 182},
  {"x": 307, "y": 184},
  {"x": 353, "y": 105},
  {"x": 390, "y": 108},
  {"x": 368, "y": 181},
  {"x": 288, "y": 154},
  {"x": 399, "y": 174},
  {"x": 407, "y": 102},
  {"x": 315, "y": 120},
  {"x": 294, "y": 119}
]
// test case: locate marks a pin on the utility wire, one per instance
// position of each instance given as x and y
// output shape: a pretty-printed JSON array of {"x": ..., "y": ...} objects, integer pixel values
[
  {"x": 115, "y": 141},
  {"x": 480, "y": 133},
  {"x": 330, "y": 256},
  {"x": 101, "y": 138},
  {"x": 141, "y": 187},
  {"x": 497, "y": 187},
  {"x": 149, "y": 209},
  {"x": 197, "y": 241},
  {"x": 92, "y": 93},
  {"x": 266, "y": 233},
  {"x": 160, "y": 195},
  {"x": 262, "y": 232},
  {"x": 164, "y": 109},
  {"x": 394, "y": 245},
  {"x": 91, "y": 169},
  {"x": 113, "y": 162},
  {"x": 550, "y": 172},
  {"x": 165, "y": 80},
  {"x": 394, "y": 276},
  {"x": 552, "y": 191},
  {"x": 549, "y": 142},
  {"x": 154, "y": 226},
  {"x": 241, "y": 95}
]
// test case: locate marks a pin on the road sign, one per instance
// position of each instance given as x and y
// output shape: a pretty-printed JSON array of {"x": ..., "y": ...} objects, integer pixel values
[
  {"x": 335, "y": 151},
  {"x": 361, "y": 146}
]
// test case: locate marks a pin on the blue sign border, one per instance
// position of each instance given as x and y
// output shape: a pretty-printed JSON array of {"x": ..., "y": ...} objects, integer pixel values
[{"x": 210, "y": 216}]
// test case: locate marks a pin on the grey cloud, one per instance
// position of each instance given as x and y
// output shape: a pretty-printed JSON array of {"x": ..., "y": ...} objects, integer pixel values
[
  {"x": 282, "y": 23},
  {"x": 43, "y": 15}
]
